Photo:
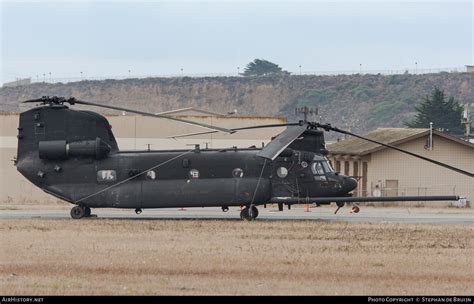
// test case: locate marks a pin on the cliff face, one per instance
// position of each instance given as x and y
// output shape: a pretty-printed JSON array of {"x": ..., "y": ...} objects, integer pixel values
[{"x": 359, "y": 102}]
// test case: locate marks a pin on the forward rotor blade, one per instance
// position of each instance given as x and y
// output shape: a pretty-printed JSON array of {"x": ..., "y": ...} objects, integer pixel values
[
  {"x": 351, "y": 199},
  {"x": 328, "y": 127},
  {"x": 237, "y": 129},
  {"x": 276, "y": 146}
]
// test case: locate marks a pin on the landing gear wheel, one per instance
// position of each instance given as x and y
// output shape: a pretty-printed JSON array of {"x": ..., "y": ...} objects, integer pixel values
[
  {"x": 77, "y": 212},
  {"x": 87, "y": 212},
  {"x": 245, "y": 213}
]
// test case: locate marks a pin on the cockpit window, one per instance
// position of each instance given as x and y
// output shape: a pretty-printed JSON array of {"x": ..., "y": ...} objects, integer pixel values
[
  {"x": 327, "y": 166},
  {"x": 318, "y": 172},
  {"x": 317, "y": 168}
]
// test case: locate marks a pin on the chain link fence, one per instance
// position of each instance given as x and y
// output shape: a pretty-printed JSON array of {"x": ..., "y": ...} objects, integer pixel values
[{"x": 48, "y": 77}]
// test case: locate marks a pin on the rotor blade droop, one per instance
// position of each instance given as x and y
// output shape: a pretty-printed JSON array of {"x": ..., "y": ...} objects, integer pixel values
[{"x": 277, "y": 145}]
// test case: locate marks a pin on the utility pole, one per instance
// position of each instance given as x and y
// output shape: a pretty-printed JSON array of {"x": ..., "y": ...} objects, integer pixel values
[
  {"x": 349, "y": 122},
  {"x": 466, "y": 120},
  {"x": 430, "y": 147}
]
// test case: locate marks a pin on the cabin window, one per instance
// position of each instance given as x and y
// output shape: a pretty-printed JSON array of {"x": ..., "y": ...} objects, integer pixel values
[
  {"x": 106, "y": 176},
  {"x": 237, "y": 172},
  {"x": 185, "y": 163},
  {"x": 282, "y": 172},
  {"x": 151, "y": 175}
]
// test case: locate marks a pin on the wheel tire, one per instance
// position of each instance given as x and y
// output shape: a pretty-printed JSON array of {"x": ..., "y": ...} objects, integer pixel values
[
  {"x": 87, "y": 211},
  {"x": 245, "y": 214},
  {"x": 77, "y": 212}
]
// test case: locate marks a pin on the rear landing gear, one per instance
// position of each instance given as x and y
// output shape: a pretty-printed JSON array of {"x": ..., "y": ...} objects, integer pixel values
[
  {"x": 87, "y": 212},
  {"x": 78, "y": 212},
  {"x": 249, "y": 213}
]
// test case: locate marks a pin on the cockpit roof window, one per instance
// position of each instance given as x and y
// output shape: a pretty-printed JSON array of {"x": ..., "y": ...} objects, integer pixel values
[{"x": 319, "y": 158}]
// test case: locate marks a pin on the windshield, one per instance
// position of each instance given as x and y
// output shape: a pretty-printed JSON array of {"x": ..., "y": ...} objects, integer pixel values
[
  {"x": 317, "y": 168},
  {"x": 327, "y": 166},
  {"x": 318, "y": 172}
]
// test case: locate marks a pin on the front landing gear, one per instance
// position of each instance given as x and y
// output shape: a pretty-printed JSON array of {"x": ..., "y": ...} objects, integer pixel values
[
  {"x": 78, "y": 212},
  {"x": 249, "y": 213}
]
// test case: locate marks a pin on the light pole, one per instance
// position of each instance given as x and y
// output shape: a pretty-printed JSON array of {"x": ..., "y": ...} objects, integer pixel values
[
  {"x": 50, "y": 78},
  {"x": 360, "y": 68},
  {"x": 81, "y": 75},
  {"x": 129, "y": 71},
  {"x": 416, "y": 67},
  {"x": 181, "y": 71},
  {"x": 44, "y": 77},
  {"x": 300, "y": 68},
  {"x": 238, "y": 71}
]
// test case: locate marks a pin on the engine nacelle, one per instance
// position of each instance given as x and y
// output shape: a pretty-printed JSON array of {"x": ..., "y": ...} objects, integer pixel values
[{"x": 60, "y": 149}]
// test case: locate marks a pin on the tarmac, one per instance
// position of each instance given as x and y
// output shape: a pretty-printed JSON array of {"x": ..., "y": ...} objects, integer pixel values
[{"x": 420, "y": 215}]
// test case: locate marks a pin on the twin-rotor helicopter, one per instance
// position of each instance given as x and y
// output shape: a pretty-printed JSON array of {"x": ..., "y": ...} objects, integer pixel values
[{"x": 73, "y": 155}]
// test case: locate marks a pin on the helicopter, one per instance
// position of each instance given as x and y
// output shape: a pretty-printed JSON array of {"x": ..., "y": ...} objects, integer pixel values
[{"x": 73, "y": 155}]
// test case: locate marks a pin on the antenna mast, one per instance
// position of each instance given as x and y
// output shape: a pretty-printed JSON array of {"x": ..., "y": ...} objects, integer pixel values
[{"x": 305, "y": 111}]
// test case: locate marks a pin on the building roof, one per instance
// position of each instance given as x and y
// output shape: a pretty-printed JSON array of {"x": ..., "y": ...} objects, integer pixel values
[{"x": 392, "y": 136}]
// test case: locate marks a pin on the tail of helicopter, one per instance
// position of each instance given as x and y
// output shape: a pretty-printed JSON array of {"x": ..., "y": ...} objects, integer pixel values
[
  {"x": 51, "y": 134},
  {"x": 46, "y": 128}
]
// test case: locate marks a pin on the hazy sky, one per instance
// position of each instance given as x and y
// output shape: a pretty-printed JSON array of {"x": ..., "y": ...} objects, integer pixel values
[{"x": 102, "y": 38}]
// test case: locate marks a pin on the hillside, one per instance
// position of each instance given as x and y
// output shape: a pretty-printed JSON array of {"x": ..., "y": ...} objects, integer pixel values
[{"x": 359, "y": 102}]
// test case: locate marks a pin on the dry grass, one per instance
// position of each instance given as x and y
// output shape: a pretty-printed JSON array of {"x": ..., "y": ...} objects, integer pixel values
[{"x": 98, "y": 256}]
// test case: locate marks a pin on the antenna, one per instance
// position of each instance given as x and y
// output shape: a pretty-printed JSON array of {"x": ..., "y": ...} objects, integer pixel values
[{"x": 305, "y": 111}]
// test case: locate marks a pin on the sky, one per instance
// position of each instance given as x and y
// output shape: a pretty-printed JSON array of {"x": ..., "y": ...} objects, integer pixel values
[{"x": 138, "y": 38}]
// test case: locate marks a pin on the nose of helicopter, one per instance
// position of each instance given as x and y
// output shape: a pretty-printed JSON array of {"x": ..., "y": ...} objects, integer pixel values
[{"x": 349, "y": 184}]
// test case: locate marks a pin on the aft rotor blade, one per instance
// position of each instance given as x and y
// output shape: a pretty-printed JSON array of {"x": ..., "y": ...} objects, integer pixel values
[
  {"x": 154, "y": 115},
  {"x": 328, "y": 128},
  {"x": 350, "y": 199},
  {"x": 276, "y": 146},
  {"x": 238, "y": 129},
  {"x": 72, "y": 100}
]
